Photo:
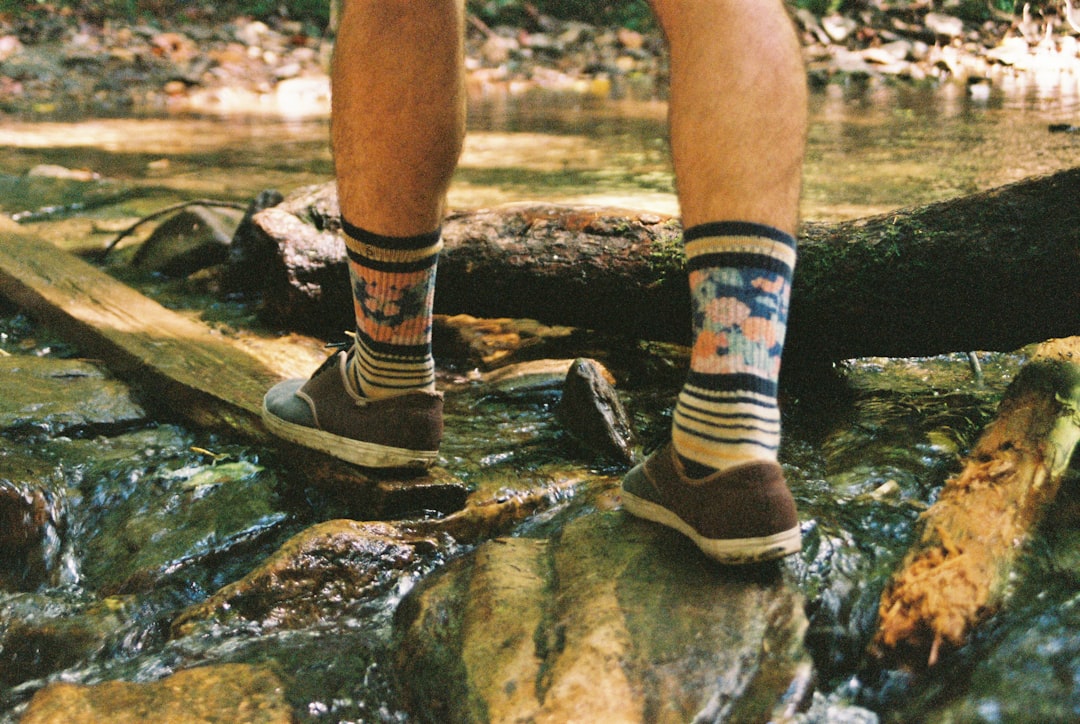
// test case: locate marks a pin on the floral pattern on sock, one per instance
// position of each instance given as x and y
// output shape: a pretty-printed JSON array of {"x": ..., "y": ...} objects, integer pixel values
[
  {"x": 393, "y": 308},
  {"x": 741, "y": 318}
]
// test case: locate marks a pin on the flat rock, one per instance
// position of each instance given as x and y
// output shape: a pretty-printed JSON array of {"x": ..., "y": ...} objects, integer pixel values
[
  {"x": 225, "y": 693},
  {"x": 612, "y": 620},
  {"x": 61, "y": 395}
]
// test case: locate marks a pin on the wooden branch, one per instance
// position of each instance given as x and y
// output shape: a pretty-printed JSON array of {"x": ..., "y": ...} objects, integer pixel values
[
  {"x": 162, "y": 212},
  {"x": 955, "y": 575},
  {"x": 919, "y": 281}
]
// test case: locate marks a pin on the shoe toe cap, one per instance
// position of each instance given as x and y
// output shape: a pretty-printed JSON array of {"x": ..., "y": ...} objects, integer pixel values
[
  {"x": 282, "y": 402},
  {"x": 636, "y": 483}
]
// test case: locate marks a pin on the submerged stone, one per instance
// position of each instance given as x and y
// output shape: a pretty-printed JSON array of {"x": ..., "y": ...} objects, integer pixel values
[
  {"x": 32, "y": 519},
  {"x": 61, "y": 396},
  {"x": 220, "y": 693},
  {"x": 43, "y": 634},
  {"x": 332, "y": 563},
  {"x": 613, "y": 620},
  {"x": 165, "y": 525},
  {"x": 191, "y": 239}
]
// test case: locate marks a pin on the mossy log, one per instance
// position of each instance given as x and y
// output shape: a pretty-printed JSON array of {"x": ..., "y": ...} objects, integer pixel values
[
  {"x": 913, "y": 282},
  {"x": 955, "y": 575}
]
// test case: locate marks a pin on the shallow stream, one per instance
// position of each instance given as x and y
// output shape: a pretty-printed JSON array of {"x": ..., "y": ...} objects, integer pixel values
[{"x": 864, "y": 457}]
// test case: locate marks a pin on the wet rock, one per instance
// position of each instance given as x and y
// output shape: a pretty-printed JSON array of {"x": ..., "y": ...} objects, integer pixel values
[
  {"x": 838, "y": 27},
  {"x": 590, "y": 410},
  {"x": 630, "y": 39},
  {"x": 328, "y": 565},
  {"x": 177, "y": 48},
  {"x": 191, "y": 239},
  {"x": 219, "y": 693},
  {"x": 250, "y": 250},
  {"x": 944, "y": 25},
  {"x": 497, "y": 50},
  {"x": 902, "y": 49},
  {"x": 48, "y": 170},
  {"x": 22, "y": 518},
  {"x": 301, "y": 96},
  {"x": 310, "y": 219},
  {"x": 9, "y": 46},
  {"x": 46, "y": 633},
  {"x": 142, "y": 535},
  {"x": 613, "y": 620},
  {"x": 32, "y": 520},
  {"x": 851, "y": 63},
  {"x": 494, "y": 511},
  {"x": 60, "y": 396}
]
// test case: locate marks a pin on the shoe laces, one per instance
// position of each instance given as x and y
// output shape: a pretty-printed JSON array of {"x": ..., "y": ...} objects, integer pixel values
[
  {"x": 343, "y": 344},
  {"x": 337, "y": 346}
]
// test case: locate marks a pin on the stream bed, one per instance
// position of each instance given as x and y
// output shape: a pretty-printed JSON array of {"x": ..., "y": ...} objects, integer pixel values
[{"x": 150, "y": 518}]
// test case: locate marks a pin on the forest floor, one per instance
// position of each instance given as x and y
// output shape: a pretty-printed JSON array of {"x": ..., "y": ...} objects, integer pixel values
[{"x": 60, "y": 63}]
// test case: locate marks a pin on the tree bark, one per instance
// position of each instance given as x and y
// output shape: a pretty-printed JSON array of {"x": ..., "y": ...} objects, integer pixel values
[
  {"x": 956, "y": 574},
  {"x": 991, "y": 271}
]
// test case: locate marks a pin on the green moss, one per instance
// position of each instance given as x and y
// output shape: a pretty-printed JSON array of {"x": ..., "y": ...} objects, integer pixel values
[{"x": 667, "y": 256}]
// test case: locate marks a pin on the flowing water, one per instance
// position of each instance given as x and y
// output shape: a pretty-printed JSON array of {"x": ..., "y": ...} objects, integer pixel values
[{"x": 864, "y": 458}]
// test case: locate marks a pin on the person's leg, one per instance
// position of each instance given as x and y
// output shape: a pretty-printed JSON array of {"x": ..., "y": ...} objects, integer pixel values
[
  {"x": 397, "y": 126},
  {"x": 738, "y": 126},
  {"x": 398, "y": 121}
]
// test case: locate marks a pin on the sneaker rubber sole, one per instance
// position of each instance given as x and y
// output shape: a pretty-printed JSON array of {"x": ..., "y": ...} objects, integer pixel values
[
  {"x": 737, "y": 551},
  {"x": 357, "y": 452},
  {"x": 745, "y": 514}
]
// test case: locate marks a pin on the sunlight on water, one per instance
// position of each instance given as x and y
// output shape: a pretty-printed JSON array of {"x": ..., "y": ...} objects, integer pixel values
[{"x": 872, "y": 148}]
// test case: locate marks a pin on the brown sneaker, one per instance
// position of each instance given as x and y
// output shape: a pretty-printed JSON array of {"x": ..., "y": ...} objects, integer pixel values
[
  {"x": 743, "y": 514},
  {"x": 323, "y": 413}
]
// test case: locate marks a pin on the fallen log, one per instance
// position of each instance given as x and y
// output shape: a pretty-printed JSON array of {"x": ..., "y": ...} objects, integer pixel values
[
  {"x": 956, "y": 574},
  {"x": 917, "y": 281}
]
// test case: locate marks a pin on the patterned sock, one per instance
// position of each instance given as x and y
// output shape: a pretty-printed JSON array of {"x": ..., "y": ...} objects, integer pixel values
[
  {"x": 740, "y": 284},
  {"x": 393, "y": 283}
]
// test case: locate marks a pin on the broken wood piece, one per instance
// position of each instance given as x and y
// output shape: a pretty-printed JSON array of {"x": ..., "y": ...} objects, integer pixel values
[
  {"x": 955, "y": 575},
  {"x": 181, "y": 364}
]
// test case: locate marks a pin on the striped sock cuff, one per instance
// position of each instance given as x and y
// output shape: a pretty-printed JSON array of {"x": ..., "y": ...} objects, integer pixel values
[
  {"x": 392, "y": 254},
  {"x": 380, "y": 370},
  {"x": 740, "y": 279},
  {"x": 740, "y": 245},
  {"x": 710, "y": 426},
  {"x": 413, "y": 244}
]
